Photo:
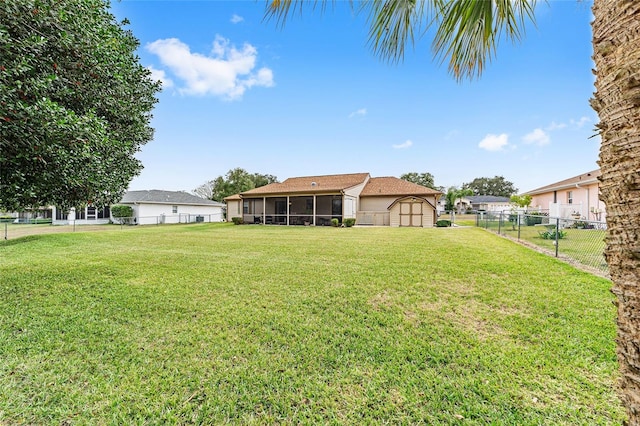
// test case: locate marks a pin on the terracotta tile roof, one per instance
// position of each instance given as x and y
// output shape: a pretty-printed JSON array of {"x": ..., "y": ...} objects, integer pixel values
[
  {"x": 585, "y": 178},
  {"x": 382, "y": 186},
  {"x": 311, "y": 184}
]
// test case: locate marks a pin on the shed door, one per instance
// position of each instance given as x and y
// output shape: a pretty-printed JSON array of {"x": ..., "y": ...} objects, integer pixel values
[{"x": 410, "y": 214}]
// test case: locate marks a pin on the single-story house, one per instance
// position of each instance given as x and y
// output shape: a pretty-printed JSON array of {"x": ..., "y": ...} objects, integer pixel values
[
  {"x": 316, "y": 200},
  {"x": 576, "y": 197},
  {"x": 156, "y": 207},
  {"x": 149, "y": 208},
  {"x": 488, "y": 203}
]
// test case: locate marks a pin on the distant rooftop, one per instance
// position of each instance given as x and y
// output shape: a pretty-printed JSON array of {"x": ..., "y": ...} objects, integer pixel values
[{"x": 156, "y": 196}]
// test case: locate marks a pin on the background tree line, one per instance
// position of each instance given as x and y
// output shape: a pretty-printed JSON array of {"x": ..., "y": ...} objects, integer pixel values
[
  {"x": 233, "y": 182},
  {"x": 239, "y": 180}
]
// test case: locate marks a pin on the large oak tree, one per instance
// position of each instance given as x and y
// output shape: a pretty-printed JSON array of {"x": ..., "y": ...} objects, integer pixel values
[
  {"x": 75, "y": 104},
  {"x": 467, "y": 33}
]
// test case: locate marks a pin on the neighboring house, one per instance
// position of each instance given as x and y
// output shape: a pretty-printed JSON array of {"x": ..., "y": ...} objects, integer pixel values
[
  {"x": 88, "y": 215},
  {"x": 488, "y": 203},
  {"x": 149, "y": 207},
  {"x": 315, "y": 200},
  {"x": 576, "y": 197},
  {"x": 156, "y": 207}
]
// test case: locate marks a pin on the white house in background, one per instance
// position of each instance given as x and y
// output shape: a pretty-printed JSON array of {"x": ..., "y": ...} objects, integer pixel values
[
  {"x": 154, "y": 207},
  {"x": 575, "y": 197},
  {"x": 487, "y": 203}
]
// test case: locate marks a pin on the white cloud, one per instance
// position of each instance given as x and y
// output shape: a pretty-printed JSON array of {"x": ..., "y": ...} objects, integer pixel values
[
  {"x": 236, "y": 19},
  {"x": 361, "y": 112},
  {"x": 494, "y": 142},
  {"x": 160, "y": 75},
  {"x": 581, "y": 122},
  {"x": 404, "y": 145},
  {"x": 227, "y": 72},
  {"x": 538, "y": 137},
  {"x": 556, "y": 126}
]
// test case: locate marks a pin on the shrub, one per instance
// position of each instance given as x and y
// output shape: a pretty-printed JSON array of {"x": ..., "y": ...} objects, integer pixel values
[
  {"x": 581, "y": 224},
  {"x": 443, "y": 223},
  {"x": 349, "y": 222},
  {"x": 237, "y": 220},
  {"x": 335, "y": 222},
  {"x": 122, "y": 213},
  {"x": 6, "y": 218},
  {"x": 551, "y": 234}
]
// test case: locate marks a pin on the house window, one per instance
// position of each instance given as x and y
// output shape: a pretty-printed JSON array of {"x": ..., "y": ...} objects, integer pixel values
[
  {"x": 249, "y": 206},
  {"x": 174, "y": 209},
  {"x": 569, "y": 197}
]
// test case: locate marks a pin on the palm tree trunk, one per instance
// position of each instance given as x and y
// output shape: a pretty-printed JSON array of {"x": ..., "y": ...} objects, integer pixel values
[{"x": 616, "y": 45}]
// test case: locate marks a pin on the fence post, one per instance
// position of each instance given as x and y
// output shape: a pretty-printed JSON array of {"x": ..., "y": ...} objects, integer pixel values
[
  {"x": 5, "y": 230},
  {"x": 557, "y": 232},
  {"x": 519, "y": 224},
  {"x": 499, "y": 222}
]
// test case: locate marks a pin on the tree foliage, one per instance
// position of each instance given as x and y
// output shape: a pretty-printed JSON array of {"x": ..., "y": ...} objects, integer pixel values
[
  {"x": 497, "y": 185},
  {"x": 235, "y": 181},
  {"x": 121, "y": 211},
  {"x": 522, "y": 201},
  {"x": 453, "y": 195},
  {"x": 424, "y": 179},
  {"x": 75, "y": 104}
]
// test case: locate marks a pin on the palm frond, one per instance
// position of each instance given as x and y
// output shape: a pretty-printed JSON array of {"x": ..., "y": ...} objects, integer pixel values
[
  {"x": 280, "y": 10},
  {"x": 393, "y": 24},
  {"x": 469, "y": 31}
]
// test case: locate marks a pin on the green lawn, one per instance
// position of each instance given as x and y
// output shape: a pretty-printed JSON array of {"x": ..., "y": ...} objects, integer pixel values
[
  {"x": 585, "y": 246},
  {"x": 206, "y": 324}
]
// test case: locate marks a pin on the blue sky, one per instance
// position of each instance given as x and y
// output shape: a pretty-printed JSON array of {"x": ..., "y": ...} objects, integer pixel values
[{"x": 311, "y": 99}]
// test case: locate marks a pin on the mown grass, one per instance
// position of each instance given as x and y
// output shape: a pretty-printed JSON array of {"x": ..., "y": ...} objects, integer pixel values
[
  {"x": 585, "y": 246},
  {"x": 206, "y": 324}
]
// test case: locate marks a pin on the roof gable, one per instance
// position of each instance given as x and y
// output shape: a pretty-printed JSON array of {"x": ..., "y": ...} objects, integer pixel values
[{"x": 412, "y": 198}]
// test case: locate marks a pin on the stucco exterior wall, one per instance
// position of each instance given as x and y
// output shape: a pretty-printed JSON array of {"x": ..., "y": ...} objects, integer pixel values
[
  {"x": 354, "y": 193},
  {"x": 581, "y": 199},
  {"x": 376, "y": 204},
  {"x": 234, "y": 209}
]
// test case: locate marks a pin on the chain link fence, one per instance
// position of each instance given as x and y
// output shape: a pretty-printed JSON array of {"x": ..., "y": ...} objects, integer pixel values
[
  {"x": 14, "y": 228},
  {"x": 572, "y": 239}
]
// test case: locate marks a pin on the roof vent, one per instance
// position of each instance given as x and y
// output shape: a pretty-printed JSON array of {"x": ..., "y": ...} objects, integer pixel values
[{"x": 314, "y": 184}]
